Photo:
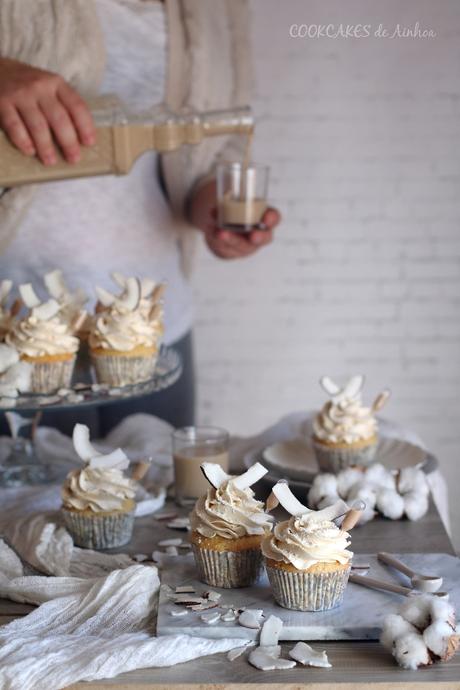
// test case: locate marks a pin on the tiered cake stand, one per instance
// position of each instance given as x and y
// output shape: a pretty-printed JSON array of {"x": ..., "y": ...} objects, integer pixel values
[{"x": 24, "y": 466}]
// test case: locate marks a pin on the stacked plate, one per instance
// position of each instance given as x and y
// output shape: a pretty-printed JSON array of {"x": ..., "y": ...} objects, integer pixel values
[{"x": 294, "y": 459}]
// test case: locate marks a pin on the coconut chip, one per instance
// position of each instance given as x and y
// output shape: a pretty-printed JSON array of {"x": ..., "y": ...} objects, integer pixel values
[
  {"x": 306, "y": 655},
  {"x": 251, "y": 618}
]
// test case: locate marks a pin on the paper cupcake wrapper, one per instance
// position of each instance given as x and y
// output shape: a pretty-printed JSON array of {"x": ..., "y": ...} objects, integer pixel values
[
  {"x": 304, "y": 591},
  {"x": 99, "y": 531},
  {"x": 337, "y": 459},
  {"x": 228, "y": 569},
  {"x": 47, "y": 377},
  {"x": 123, "y": 371}
]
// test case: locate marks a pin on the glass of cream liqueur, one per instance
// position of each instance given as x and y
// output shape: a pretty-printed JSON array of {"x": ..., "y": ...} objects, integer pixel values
[
  {"x": 191, "y": 446},
  {"x": 241, "y": 196}
]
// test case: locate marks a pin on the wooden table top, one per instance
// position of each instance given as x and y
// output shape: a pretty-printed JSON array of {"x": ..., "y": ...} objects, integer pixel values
[{"x": 354, "y": 664}]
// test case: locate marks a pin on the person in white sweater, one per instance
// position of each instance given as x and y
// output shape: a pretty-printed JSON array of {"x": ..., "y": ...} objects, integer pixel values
[{"x": 146, "y": 51}]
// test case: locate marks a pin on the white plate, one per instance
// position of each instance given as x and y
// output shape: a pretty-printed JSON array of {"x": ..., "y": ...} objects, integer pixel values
[{"x": 295, "y": 458}]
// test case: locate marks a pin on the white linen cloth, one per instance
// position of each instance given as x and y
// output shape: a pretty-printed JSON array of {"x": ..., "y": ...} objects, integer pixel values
[
  {"x": 87, "y": 629},
  {"x": 97, "y": 615}
]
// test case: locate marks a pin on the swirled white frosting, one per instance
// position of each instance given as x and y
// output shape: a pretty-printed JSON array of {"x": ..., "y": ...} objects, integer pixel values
[
  {"x": 304, "y": 541},
  {"x": 345, "y": 421},
  {"x": 120, "y": 330},
  {"x": 230, "y": 513},
  {"x": 36, "y": 338},
  {"x": 98, "y": 489}
]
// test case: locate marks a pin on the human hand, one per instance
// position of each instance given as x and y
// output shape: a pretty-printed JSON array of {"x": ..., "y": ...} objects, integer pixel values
[
  {"x": 232, "y": 245},
  {"x": 36, "y": 106}
]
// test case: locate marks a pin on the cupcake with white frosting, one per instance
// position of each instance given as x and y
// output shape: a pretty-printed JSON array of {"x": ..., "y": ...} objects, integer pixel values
[
  {"x": 345, "y": 431},
  {"x": 44, "y": 340},
  {"x": 307, "y": 557},
  {"x": 228, "y": 525},
  {"x": 125, "y": 337},
  {"x": 98, "y": 499}
]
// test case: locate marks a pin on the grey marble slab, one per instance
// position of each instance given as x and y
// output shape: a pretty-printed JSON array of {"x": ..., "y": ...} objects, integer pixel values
[{"x": 358, "y": 618}]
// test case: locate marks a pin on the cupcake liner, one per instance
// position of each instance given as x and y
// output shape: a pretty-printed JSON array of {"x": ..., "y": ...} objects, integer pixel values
[
  {"x": 99, "y": 531},
  {"x": 308, "y": 591},
  {"x": 336, "y": 459},
  {"x": 47, "y": 377},
  {"x": 228, "y": 569},
  {"x": 123, "y": 370}
]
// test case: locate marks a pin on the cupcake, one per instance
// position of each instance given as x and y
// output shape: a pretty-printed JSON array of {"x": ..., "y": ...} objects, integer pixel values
[
  {"x": 228, "y": 525},
  {"x": 345, "y": 432},
  {"x": 98, "y": 500},
  {"x": 44, "y": 340},
  {"x": 125, "y": 336},
  {"x": 306, "y": 557}
]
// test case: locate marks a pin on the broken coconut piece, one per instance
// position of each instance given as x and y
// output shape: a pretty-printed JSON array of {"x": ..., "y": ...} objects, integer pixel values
[
  {"x": 83, "y": 447},
  {"x": 213, "y": 596},
  {"x": 214, "y": 473},
  {"x": 117, "y": 459},
  {"x": 287, "y": 499},
  {"x": 184, "y": 589},
  {"x": 250, "y": 477},
  {"x": 29, "y": 296},
  {"x": 46, "y": 311},
  {"x": 178, "y": 613},
  {"x": 170, "y": 542},
  {"x": 306, "y": 655},
  {"x": 130, "y": 299},
  {"x": 251, "y": 618},
  {"x": 181, "y": 523},
  {"x": 172, "y": 551},
  {"x": 210, "y": 617},
  {"x": 271, "y": 630},
  {"x": 259, "y": 658},
  {"x": 229, "y": 616},
  {"x": 238, "y": 651}
]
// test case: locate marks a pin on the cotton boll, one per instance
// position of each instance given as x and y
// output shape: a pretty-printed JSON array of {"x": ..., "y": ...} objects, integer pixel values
[
  {"x": 328, "y": 501},
  {"x": 390, "y": 504},
  {"x": 394, "y": 626},
  {"x": 415, "y": 505},
  {"x": 417, "y": 610},
  {"x": 442, "y": 610},
  {"x": 410, "y": 651},
  {"x": 346, "y": 479},
  {"x": 379, "y": 475},
  {"x": 323, "y": 485},
  {"x": 436, "y": 637},
  {"x": 363, "y": 492},
  {"x": 412, "y": 479}
]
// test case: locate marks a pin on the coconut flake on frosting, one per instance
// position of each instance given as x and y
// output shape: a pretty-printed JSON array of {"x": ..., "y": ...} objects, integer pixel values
[
  {"x": 100, "y": 485},
  {"x": 71, "y": 303},
  {"x": 42, "y": 331},
  {"x": 229, "y": 511},
  {"x": 344, "y": 418},
  {"x": 308, "y": 537},
  {"x": 131, "y": 319}
]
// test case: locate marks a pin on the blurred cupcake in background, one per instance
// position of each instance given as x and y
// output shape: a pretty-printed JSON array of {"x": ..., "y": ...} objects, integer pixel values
[
  {"x": 126, "y": 332},
  {"x": 44, "y": 340},
  {"x": 228, "y": 525},
  {"x": 98, "y": 500},
  {"x": 345, "y": 432}
]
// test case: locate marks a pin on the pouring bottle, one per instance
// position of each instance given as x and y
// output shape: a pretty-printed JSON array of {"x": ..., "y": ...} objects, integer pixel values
[{"x": 121, "y": 137}]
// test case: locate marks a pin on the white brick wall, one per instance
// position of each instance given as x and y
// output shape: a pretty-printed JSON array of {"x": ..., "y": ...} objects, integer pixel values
[{"x": 363, "y": 138}]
